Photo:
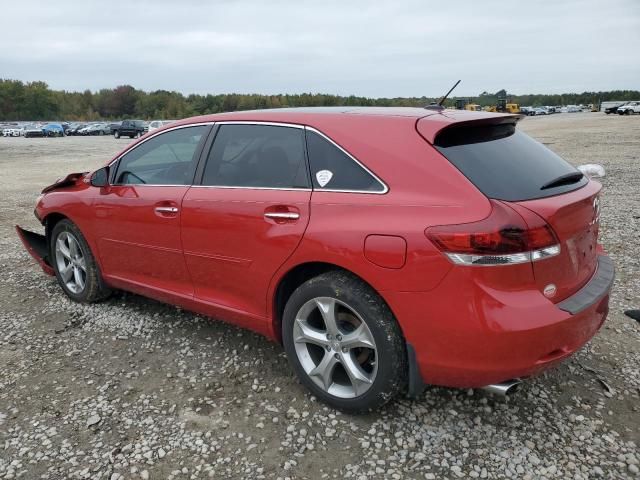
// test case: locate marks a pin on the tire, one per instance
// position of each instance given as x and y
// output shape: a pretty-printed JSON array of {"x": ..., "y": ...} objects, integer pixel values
[
  {"x": 116, "y": 134},
  {"x": 80, "y": 284},
  {"x": 359, "y": 312},
  {"x": 132, "y": 136},
  {"x": 101, "y": 133}
]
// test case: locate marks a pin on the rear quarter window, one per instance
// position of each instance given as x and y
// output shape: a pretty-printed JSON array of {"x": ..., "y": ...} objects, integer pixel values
[
  {"x": 505, "y": 163},
  {"x": 334, "y": 170}
]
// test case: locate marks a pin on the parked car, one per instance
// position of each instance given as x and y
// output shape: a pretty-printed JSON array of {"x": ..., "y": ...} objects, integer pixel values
[
  {"x": 540, "y": 111},
  {"x": 98, "y": 129},
  {"x": 85, "y": 129},
  {"x": 155, "y": 125},
  {"x": 29, "y": 131},
  {"x": 131, "y": 129},
  {"x": 629, "y": 108},
  {"x": 53, "y": 130},
  {"x": 385, "y": 248},
  {"x": 74, "y": 128},
  {"x": 12, "y": 131},
  {"x": 613, "y": 108}
]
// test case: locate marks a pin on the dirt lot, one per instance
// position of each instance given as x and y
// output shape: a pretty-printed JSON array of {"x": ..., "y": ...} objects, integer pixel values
[{"x": 135, "y": 389}]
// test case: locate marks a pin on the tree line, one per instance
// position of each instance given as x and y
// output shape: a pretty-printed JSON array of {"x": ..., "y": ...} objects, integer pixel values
[{"x": 36, "y": 101}]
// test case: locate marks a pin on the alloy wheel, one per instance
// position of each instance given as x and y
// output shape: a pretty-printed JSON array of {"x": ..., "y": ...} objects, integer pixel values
[
  {"x": 71, "y": 262},
  {"x": 335, "y": 347}
]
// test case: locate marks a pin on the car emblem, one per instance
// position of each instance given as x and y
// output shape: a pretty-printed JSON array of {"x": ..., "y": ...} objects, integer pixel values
[{"x": 550, "y": 290}]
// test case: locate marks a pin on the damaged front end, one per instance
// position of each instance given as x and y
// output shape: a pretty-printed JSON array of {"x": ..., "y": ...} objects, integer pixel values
[
  {"x": 37, "y": 244},
  {"x": 67, "y": 181},
  {"x": 37, "y": 247}
]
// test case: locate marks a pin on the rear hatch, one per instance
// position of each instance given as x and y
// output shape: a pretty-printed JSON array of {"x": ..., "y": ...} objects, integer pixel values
[
  {"x": 507, "y": 165},
  {"x": 574, "y": 218}
]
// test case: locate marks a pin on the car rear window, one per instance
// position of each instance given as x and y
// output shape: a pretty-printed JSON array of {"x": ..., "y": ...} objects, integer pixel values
[{"x": 505, "y": 163}]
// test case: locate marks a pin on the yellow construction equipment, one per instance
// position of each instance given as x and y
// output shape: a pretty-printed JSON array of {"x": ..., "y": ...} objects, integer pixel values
[
  {"x": 462, "y": 104},
  {"x": 504, "y": 107}
]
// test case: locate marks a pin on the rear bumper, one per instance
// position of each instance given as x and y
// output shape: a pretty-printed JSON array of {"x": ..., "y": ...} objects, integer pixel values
[
  {"x": 477, "y": 336},
  {"x": 37, "y": 247}
]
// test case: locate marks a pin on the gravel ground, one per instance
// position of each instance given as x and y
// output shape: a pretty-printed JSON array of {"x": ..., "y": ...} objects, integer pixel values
[{"x": 131, "y": 388}]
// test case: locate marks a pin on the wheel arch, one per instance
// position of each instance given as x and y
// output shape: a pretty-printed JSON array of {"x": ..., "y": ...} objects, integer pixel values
[
  {"x": 50, "y": 220},
  {"x": 295, "y": 277}
]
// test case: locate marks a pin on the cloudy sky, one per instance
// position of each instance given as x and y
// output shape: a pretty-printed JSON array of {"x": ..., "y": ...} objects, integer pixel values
[{"x": 370, "y": 48}]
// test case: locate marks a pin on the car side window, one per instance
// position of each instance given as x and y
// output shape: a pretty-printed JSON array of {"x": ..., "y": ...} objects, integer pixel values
[
  {"x": 333, "y": 169},
  {"x": 261, "y": 156},
  {"x": 167, "y": 159}
]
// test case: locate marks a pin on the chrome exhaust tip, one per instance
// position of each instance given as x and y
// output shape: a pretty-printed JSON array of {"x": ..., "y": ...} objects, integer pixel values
[{"x": 503, "y": 389}]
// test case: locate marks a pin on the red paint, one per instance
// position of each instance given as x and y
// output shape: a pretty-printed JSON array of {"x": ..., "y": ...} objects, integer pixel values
[
  {"x": 573, "y": 220},
  {"x": 46, "y": 268},
  {"x": 386, "y": 251},
  {"x": 220, "y": 256}
]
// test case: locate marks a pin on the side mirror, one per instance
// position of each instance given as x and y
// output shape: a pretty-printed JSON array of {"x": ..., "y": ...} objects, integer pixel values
[
  {"x": 592, "y": 170},
  {"x": 100, "y": 178}
]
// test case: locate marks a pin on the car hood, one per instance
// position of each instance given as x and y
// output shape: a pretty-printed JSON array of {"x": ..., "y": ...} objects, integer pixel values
[{"x": 67, "y": 181}]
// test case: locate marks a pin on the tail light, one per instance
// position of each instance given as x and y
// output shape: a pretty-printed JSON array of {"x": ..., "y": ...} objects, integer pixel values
[{"x": 502, "y": 238}]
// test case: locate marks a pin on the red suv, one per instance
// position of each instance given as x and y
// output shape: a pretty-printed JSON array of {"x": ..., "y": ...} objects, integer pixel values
[{"x": 386, "y": 248}]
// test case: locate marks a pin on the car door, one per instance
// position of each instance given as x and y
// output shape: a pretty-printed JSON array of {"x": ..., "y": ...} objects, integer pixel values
[
  {"x": 137, "y": 216},
  {"x": 247, "y": 215}
]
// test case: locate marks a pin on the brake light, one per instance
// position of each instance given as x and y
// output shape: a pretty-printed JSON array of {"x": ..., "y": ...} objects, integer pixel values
[{"x": 501, "y": 238}]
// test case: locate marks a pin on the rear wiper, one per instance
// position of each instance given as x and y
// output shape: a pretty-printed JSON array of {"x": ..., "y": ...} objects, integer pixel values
[{"x": 565, "y": 179}]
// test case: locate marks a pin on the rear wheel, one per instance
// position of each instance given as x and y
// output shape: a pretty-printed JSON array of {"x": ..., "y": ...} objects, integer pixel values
[
  {"x": 116, "y": 134},
  {"x": 74, "y": 264},
  {"x": 344, "y": 343}
]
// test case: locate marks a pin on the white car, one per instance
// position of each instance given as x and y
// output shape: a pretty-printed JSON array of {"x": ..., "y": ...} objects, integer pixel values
[
  {"x": 629, "y": 109},
  {"x": 540, "y": 111},
  {"x": 11, "y": 132},
  {"x": 156, "y": 124}
]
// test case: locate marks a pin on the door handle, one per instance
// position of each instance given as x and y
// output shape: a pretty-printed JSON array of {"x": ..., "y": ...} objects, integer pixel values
[
  {"x": 167, "y": 209},
  {"x": 282, "y": 215}
]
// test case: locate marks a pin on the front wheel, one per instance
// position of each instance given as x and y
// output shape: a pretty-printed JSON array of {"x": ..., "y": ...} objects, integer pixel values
[
  {"x": 74, "y": 264},
  {"x": 344, "y": 343}
]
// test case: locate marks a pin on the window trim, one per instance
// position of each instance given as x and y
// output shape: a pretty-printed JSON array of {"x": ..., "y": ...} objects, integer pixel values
[
  {"x": 385, "y": 187},
  {"x": 200, "y": 174},
  {"x": 198, "y": 154}
]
